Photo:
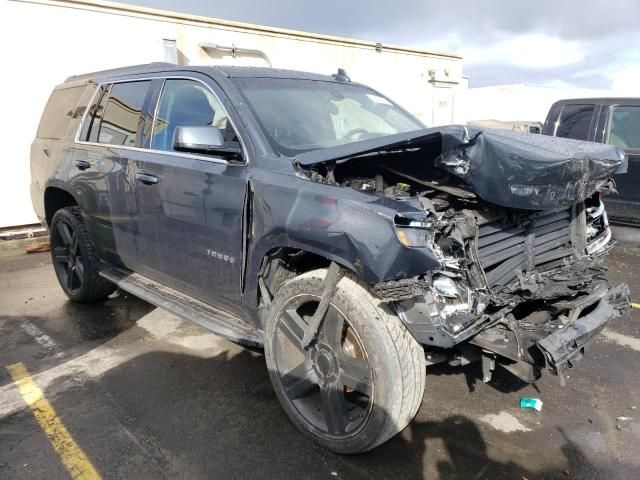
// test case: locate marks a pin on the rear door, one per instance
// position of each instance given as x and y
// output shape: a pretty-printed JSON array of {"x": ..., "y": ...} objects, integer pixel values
[
  {"x": 623, "y": 130},
  {"x": 190, "y": 207},
  {"x": 102, "y": 170}
]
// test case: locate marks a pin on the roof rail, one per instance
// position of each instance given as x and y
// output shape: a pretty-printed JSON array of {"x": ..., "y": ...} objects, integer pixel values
[{"x": 118, "y": 70}]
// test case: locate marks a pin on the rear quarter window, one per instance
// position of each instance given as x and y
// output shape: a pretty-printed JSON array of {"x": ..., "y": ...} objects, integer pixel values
[
  {"x": 59, "y": 111},
  {"x": 575, "y": 122}
]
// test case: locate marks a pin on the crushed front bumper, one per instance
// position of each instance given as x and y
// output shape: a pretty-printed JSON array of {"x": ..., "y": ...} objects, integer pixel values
[
  {"x": 537, "y": 334},
  {"x": 564, "y": 347}
]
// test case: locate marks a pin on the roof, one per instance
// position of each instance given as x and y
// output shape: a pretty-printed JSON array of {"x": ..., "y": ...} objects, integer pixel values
[
  {"x": 257, "y": 72},
  {"x": 599, "y": 99},
  {"x": 226, "y": 70}
]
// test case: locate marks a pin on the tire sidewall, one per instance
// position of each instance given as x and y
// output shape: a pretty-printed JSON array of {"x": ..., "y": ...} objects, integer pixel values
[
  {"x": 70, "y": 219},
  {"x": 368, "y": 327}
]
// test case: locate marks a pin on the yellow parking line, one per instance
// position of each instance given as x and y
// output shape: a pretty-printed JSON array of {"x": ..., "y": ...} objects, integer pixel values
[
  {"x": 70, "y": 453},
  {"x": 635, "y": 305}
]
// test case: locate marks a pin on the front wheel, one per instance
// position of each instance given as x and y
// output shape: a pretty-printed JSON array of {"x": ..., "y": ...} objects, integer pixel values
[{"x": 361, "y": 382}]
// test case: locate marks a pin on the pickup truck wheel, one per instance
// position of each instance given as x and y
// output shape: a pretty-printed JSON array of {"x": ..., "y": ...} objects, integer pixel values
[
  {"x": 74, "y": 259},
  {"x": 360, "y": 382}
]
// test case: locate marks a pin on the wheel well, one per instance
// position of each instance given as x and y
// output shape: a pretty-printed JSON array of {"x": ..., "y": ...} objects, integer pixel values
[
  {"x": 54, "y": 200},
  {"x": 281, "y": 264}
]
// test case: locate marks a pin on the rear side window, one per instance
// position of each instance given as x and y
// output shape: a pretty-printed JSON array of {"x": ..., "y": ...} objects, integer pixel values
[
  {"x": 186, "y": 103},
  {"x": 624, "y": 127},
  {"x": 121, "y": 121},
  {"x": 59, "y": 110},
  {"x": 575, "y": 121}
]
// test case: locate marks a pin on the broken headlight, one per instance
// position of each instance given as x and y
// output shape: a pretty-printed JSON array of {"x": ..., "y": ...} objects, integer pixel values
[
  {"x": 413, "y": 233},
  {"x": 457, "y": 304},
  {"x": 411, "y": 236}
]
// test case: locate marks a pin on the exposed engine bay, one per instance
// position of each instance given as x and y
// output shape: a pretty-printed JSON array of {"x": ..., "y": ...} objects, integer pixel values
[{"x": 522, "y": 287}]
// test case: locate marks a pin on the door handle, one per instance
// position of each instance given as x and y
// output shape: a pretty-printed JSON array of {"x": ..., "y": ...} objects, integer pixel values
[
  {"x": 146, "y": 178},
  {"x": 82, "y": 165}
]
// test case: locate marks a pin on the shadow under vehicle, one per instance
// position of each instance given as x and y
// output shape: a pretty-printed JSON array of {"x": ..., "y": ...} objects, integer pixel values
[{"x": 312, "y": 216}]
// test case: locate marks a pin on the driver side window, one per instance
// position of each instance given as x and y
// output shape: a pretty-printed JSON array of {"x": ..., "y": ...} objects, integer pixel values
[{"x": 186, "y": 103}]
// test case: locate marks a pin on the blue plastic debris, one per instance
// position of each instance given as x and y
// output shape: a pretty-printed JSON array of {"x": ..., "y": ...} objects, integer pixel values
[{"x": 534, "y": 403}]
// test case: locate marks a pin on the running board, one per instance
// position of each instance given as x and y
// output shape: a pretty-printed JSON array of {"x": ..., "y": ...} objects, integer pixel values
[{"x": 211, "y": 318}]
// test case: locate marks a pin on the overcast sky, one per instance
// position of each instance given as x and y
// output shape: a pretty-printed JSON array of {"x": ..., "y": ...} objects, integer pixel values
[{"x": 582, "y": 43}]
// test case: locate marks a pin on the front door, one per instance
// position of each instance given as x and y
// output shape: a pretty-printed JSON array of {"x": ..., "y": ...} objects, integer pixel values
[
  {"x": 624, "y": 132},
  {"x": 190, "y": 207}
]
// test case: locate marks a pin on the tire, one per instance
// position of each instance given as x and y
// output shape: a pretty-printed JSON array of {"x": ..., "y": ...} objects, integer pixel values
[
  {"x": 363, "y": 353},
  {"x": 74, "y": 259}
]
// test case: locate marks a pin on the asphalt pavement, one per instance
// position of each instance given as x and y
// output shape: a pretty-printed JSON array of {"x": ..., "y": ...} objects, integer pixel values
[{"x": 138, "y": 393}]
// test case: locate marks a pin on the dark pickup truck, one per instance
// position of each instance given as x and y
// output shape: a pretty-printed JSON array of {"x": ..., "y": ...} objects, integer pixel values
[
  {"x": 615, "y": 121},
  {"x": 311, "y": 216}
]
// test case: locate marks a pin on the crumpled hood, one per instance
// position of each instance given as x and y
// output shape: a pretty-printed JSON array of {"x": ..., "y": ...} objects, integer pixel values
[
  {"x": 530, "y": 171},
  {"x": 511, "y": 169}
]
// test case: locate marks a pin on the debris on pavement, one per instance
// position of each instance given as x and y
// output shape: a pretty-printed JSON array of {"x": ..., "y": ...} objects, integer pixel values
[
  {"x": 38, "y": 247},
  {"x": 532, "y": 403}
]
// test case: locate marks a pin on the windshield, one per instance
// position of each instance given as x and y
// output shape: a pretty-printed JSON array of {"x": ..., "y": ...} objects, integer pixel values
[{"x": 302, "y": 115}]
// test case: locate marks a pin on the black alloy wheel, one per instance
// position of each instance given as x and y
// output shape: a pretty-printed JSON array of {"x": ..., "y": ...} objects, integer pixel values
[
  {"x": 361, "y": 378},
  {"x": 74, "y": 259},
  {"x": 330, "y": 382},
  {"x": 67, "y": 257}
]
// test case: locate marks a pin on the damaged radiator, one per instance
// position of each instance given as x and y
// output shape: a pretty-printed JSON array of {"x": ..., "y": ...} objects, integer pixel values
[{"x": 504, "y": 249}]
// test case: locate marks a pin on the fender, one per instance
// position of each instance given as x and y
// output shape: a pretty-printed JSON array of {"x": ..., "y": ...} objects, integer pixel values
[
  {"x": 354, "y": 230},
  {"x": 56, "y": 195}
]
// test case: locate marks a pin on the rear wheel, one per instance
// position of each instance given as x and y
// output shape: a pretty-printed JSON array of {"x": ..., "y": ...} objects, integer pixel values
[
  {"x": 74, "y": 259},
  {"x": 361, "y": 382}
]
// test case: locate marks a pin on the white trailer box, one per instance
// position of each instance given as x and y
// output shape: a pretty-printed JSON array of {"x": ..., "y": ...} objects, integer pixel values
[{"x": 516, "y": 102}]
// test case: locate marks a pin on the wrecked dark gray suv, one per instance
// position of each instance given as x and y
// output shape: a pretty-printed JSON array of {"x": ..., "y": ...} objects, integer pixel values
[{"x": 314, "y": 217}]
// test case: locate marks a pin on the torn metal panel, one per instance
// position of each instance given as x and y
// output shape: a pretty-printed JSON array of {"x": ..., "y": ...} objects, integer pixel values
[
  {"x": 562, "y": 348},
  {"x": 528, "y": 171},
  {"x": 504, "y": 168}
]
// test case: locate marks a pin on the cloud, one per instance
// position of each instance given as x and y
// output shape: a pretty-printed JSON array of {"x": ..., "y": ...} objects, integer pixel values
[
  {"x": 532, "y": 50},
  {"x": 625, "y": 82},
  {"x": 402, "y": 21},
  {"x": 580, "y": 42},
  {"x": 590, "y": 63}
]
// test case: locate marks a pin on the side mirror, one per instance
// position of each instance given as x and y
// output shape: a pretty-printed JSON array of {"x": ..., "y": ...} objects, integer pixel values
[{"x": 205, "y": 140}]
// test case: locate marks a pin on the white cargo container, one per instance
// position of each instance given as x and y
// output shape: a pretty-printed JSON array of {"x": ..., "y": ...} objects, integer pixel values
[
  {"x": 518, "y": 102},
  {"x": 45, "y": 41}
]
